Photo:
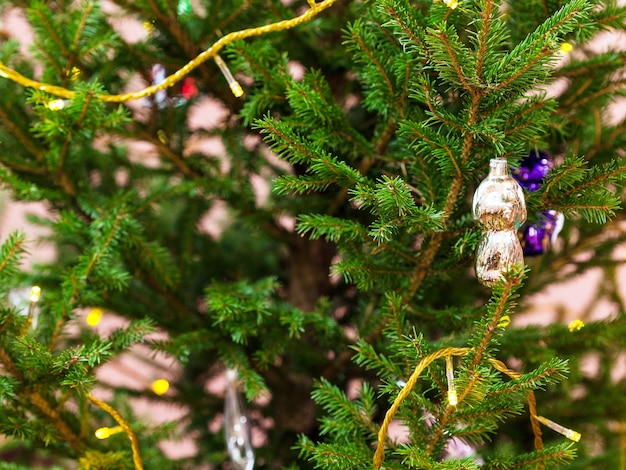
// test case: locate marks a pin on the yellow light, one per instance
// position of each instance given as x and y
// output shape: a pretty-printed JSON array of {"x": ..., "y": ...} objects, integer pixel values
[
  {"x": 35, "y": 293},
  {"x": 236, "y": 89},
  {"x": 160, "y": 386},
  {"x": 234, "y": 85},
  {"x": 73, "y": 73},
  {"x": 504, "y": 321},
  {"x": 162, "y": 136},
  {"x": 453, "y": 399},
  {"x": 452, "y": 4},
  {"x": 566, "y": 47},
  {"x": 148, "y": 26},
  {"x": 569, "y": 433},
  {"x": 94, "y": 317},
  {"x": 105, "y": 433},
  {"x": 576, "y": 325},
  {"x": 55, "y": 105}
]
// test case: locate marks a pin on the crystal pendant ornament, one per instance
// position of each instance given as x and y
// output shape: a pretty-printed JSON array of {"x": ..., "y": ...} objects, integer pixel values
[
  {"x": 236, "y": 426},
  {"x": 500, "y": 208}
]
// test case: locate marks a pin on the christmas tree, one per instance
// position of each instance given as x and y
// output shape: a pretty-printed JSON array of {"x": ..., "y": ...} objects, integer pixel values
[{"x": 266, "y": 212}]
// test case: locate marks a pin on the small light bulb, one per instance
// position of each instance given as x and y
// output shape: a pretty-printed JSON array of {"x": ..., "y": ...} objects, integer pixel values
[
  {"x": 453, "y": 399},
  {"x": 105, "y": 433},
  {"x": 162, "y": 136},
  {"x": 452, "y": 4},
  {"x": 160, "y": 386},
  {"x": 576, "y": 325},
  {"x": 566, "y": 47},
  {"x": 94, "y": 317},
  {"x": 569, "y": 433},
  {"x": 148, "y": 26},
  {"x": 504, "y": 321},
  {"x": 35, "y": 293},
  {"x": 234, "y": 85},
  {"x": 73, "y": 73},
  {"x": 55, "y": 105}
]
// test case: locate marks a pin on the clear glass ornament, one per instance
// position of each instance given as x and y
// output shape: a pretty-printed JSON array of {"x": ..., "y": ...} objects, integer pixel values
[
  {"x": 236, "y": 426},
  {"x": 500, "y": 208}
]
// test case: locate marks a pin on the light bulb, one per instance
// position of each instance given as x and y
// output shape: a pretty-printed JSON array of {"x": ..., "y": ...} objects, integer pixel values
[
  {"x": 569, "y": 433},
  {"x": 94, "y": 316},
  {"x": 105, "y": 433},
  {"x": 453, "y": 399},
  {"x": 234, "y": 85},
  {"x": 160, "y": 386}
]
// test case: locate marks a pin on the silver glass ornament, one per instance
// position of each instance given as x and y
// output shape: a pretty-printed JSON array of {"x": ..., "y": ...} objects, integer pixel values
[
  {"x": 499, "y": 199},
  {"x": 497, "y": 251},
  {"x": 236, "y": 426},
  {"x": 500, "y": 208}
]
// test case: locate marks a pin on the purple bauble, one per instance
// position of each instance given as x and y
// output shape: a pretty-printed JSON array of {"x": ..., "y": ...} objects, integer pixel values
[
  {"x": 537, "y": 238},
  {"x": 533, "y": 169}
]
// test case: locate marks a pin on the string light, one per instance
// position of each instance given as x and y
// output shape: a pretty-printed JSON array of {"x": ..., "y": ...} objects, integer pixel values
[
  {"x": 55, "y": 105},
  {"x": 73, "y": 73},
  {"x": 149, "y": 27},
  {"x": 566, "y": 47},
  {"x": 162, "y": 136},
  {"x": 452, "y": 4},
  {"x": 452, "y": 396},
  {"x": 160, "y": 386},
  {"x": 234, "y": 85},
  {"x": 576, "y": 325},
  {"x": 35, "y": 293},
  {"x": 94, "y": 316},
  {"x": 209, "y": 53},
  {"x": 105, "y": 433},
  {"x": 123, "y": 424},
  {"x": 569, "y": 433}
]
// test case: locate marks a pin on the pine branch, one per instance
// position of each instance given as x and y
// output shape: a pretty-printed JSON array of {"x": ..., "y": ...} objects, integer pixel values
[{"x": 11, "y": 252}]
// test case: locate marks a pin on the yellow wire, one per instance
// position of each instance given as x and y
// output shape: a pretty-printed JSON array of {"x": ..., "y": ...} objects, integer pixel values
[
  {"x": 211, "y": 52},
  {"x": 134, "y": 443},
  {"x": 379, "y": 456}
]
